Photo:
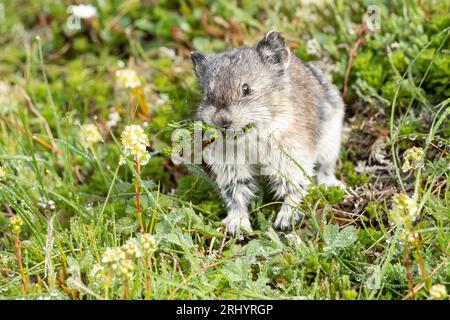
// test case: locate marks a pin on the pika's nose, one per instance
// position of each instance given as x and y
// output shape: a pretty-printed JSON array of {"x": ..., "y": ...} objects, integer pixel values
[{"x": 225, "y": 122}]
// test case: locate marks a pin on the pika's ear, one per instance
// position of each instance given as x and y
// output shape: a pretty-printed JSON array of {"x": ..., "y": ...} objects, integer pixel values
[
  {"x": 273, "y": 51},
  {"x": 199, "y": 61}
]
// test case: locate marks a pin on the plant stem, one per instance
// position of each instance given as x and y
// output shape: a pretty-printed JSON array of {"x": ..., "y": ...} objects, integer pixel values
[
  {"x": 132, "y": 112},
  {"x": 19, "y": 259},
  {"x": 408, "y": 268},
  {"x": 147, "y": 278},
  {"x": 125, "y": 289},
  {"x": 107, "y": 283},
  {"x": 136, "y": 186},
  {"x": 421, "y": 263}
]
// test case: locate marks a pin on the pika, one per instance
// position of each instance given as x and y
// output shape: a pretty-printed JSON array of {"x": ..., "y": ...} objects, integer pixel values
[{"x": 285, "y": 101}]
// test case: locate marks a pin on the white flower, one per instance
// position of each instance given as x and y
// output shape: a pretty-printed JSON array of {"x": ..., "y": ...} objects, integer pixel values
[
  {"x": 127, "y": 78},
  {"x": 83, "y": 11}
]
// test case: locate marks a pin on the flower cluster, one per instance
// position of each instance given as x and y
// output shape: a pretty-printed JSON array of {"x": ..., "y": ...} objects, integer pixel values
[
  {"x": 112, "y": 256},
  {"x": 404, "y": 211},
  {"x": 16, "y": 224},
  {"x": 116, "y": 260},
  {"x": 90, "y": 135},
  {"x": 127, "y": 78},
  {"x": 135, "y": 143},
  {"x": 132, "y": 249},
  {"x": 413, "y": 159},
  {"x": 126, "y": 268},
  {"x": 403, "y": 214},
  {"x": 121, "y": 260}
]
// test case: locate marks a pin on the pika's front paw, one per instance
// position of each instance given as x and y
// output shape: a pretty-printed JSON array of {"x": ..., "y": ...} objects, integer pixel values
[
  {"x": 285, "y": 218},
  {"x": 234, "y": 223}
]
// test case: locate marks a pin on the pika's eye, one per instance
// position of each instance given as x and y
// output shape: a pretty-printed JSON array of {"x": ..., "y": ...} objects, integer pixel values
[{"x": 245, "y": 89}]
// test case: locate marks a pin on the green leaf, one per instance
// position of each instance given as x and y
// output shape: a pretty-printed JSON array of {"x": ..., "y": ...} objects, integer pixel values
[
  {"x": 180, "y": 239},
  {"x": 236, "y": 271},
  {"x": 261, "y": 248},
  {"x": 335, "y": 239},
  {"x": 126, "y": 225}
]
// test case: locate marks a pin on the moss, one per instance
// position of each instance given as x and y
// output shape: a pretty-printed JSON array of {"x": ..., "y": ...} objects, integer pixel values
[{"x": 353, "y": 178}]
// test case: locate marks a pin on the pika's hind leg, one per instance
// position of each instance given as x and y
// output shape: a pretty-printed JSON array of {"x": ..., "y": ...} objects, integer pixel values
[{"x": 329, "y": 145}]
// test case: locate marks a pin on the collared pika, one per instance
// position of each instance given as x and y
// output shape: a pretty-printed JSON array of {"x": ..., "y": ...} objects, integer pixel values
[{"x": 287, "y": 102}]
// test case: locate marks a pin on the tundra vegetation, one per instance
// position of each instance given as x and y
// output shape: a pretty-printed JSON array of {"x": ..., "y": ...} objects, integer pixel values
[{"x": 92, "y": 207}]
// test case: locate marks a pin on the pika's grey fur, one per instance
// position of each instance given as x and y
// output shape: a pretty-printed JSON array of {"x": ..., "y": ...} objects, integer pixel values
[{"x": 289, "y": 103}]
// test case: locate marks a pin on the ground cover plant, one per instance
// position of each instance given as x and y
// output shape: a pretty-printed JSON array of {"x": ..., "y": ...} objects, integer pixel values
[{"x": 93, "y": 207}]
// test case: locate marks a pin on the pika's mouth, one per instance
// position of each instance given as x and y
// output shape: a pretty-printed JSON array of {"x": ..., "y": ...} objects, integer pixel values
[
  {"x": 232, "y": 131},
  {"x": 246, "y": 129}
]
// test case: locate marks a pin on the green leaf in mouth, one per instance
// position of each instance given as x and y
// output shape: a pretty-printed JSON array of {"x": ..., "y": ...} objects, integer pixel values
[{"x": 249, "y": 127}]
